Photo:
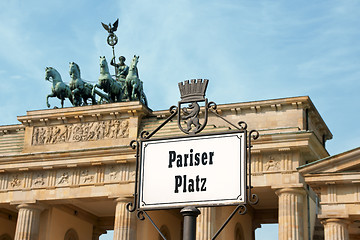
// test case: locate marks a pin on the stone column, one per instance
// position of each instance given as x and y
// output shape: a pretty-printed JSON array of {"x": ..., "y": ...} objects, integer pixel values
[
  {"x": 335, "y": 229},
  {"x": 291, "y": 217},
  {"x": 124, "y": 228},
  {"x": 205, "y": 223},
  {"x": 28, "y": 222}
]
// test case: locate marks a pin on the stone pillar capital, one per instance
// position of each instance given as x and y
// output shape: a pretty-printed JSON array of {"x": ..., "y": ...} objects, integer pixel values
[
  {"x": 291, "y": 190},
  {"x": 336, "y": 229},
  {"x": 125, "y": 199},
  {"x": 335, "y": 220},
  {"x": 31, "y": 206}
]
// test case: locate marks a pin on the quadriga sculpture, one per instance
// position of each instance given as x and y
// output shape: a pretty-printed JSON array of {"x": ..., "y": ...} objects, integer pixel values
[
  {"x": 134, "y": 86},
  {"x": 81, "y": 90},
  {"x": 59, "y": 89},
  {"x": 108, "y": 84}
]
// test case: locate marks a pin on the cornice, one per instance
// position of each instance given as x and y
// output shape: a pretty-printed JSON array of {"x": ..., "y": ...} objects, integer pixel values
[
  {"x": 8, "y": 129},
  {"x": 72, "y": 158},
  {"x": 281, "y": 104},
  {"x": 302, "y": 140},
  {"x": 332, "y": 164},
  {"x": 84, "y": 113},
  {"x": 268, "y": 105},
  {"x": 321, "y": 179}
]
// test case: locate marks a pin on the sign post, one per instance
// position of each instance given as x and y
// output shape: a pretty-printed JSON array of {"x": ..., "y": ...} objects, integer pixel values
[
  {"x": 190, "y": 214},
  {"x": 196, "y": 170}
]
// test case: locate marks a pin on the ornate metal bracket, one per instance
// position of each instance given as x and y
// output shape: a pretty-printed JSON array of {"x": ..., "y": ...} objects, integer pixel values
[
  {"x": 131, "y": 206},
  {"x": 146, "y": 135},
  {"x": 193, "y": 93},
  {"x": 252, "y": 197}
]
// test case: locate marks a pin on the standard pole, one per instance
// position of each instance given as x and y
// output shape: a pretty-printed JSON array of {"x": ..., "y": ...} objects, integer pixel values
[{"x": 190, "y": 214}]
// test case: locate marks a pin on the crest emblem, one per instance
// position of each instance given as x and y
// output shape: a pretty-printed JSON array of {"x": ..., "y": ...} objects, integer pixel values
[{"x": 192, "y": 93}]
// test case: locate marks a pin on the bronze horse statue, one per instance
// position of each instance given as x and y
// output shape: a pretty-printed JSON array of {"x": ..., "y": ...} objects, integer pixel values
[
  {"x": 59, "y": 89},
  {"x": 134, "y": 86},
  {"x": 113, "y": 88},
  {"x": 81, "y": 90}
]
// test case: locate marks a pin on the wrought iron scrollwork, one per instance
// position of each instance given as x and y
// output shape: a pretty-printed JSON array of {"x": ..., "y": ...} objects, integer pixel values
[
  {"x": 242, "y": 125},
  {"x": 146, "y": 135},
  {"x": 140, "y": 215},
  {"x": 242, "y": 209},
  {"x": 212, "y": 106},
  {"x": 173, "y": 109},
  {"x": 131, "y": 206},
  {"x": 254, "y": 134},
  {"x": 252, "y": 197}
]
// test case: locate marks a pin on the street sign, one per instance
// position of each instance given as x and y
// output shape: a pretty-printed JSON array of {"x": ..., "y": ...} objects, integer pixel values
[{"x": 202, "y": 170}]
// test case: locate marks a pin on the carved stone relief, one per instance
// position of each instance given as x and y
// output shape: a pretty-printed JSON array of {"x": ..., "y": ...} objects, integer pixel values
[
  {"x": 15, "y": 181},
  {"x": 67, "y": 177},
  {"x": 113, "y": 173},
  {"x": 275, "y": 162},
  {"x": 63, "y": 178},
  {"x": 86, "y": 177},
  {"x": 272, "y": 164},
  {"x": 38, "y": 179},
  {"x": 80, "y": 132},
  {"x": 121, "y": 172}
]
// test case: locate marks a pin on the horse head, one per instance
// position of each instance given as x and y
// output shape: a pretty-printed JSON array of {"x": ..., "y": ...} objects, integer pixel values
[
  {"x": 74, "y": 70},
  {"x": 133, "y": 71},
  {"x": 104, "y": 68},
  {"x": 134, "y": 62},
  {"x": 52, "y": 75},
  {"x": 48, "y": 73}
]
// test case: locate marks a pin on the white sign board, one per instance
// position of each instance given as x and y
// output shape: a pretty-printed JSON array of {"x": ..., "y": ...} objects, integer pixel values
[{"x": 193, "y": 171}]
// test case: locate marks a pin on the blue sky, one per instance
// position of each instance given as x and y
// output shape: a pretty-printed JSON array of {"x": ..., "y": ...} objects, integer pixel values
[{"x": 249, "y": 50}]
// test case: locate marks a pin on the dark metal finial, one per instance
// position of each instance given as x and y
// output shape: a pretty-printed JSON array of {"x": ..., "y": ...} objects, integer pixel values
[{"x": 109, "y": 28}]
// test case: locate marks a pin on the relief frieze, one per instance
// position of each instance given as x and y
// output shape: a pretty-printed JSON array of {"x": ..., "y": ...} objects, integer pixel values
[
  {"x": 272, "y": 164},
  {"x": 87, "y": 177},
  {"x": 15, "y": 181},
  {"x": 38, "y": 179},
  {"x": 67, "y": 177},
  {"x": 80, "y": 132},
  {"x": 63, "y": 178}
]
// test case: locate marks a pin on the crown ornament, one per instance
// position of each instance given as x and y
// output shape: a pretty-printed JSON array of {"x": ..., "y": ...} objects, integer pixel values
[{"x": 194, "y": 90}]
